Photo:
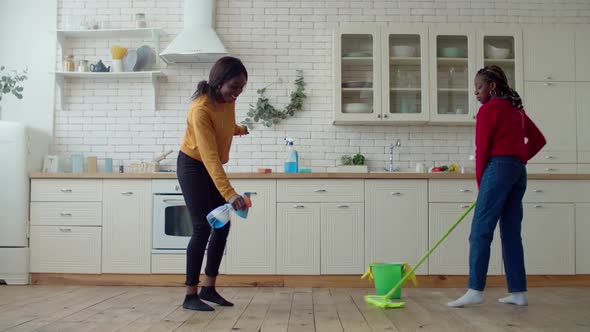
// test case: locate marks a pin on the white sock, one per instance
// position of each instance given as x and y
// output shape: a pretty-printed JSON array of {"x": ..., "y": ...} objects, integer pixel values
[
  {"x": 471, "y": 297},
  {"x": 518, "y": 298}
]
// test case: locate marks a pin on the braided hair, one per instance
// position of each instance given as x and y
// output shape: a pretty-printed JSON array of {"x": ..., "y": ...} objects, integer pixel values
[{"x": 495, "y": 74}]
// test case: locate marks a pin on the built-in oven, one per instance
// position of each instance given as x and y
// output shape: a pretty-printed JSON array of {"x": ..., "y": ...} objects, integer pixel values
[{"x": 172, "y": 227}]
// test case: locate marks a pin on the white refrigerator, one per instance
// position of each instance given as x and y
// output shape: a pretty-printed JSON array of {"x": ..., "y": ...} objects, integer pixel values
[{"x": 14, "y": 194}]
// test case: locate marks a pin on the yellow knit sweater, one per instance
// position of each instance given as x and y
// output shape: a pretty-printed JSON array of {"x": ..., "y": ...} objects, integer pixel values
[{"x": 209, "y": 132}]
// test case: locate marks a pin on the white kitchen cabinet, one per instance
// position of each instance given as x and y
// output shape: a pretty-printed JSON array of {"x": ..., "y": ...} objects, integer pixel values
[
  {"x": 65, "y": 249},
  {"x": 252, "y": 245},
  {"x": 452, "y": 68},
  {"x": 552, "y": 107},
  {"x": 66, "y": 190},
  {"x": 583, "y": 120},
  {"x": 548, "y": 235},
  {"x": 452, "y": 256},
  {"x": 357, "y": 74},
  {"x": 582, "y": 235},
  {"x": 492, "y": 40},
  {"x": 127, "y": 231},
  {"x": 549, "y": 53},
  {"x": 583, "y": 54},
  {"x": 335, "y": 191},
  {"x": 342, "y": 238},
  {"x": 404, "y": 81},
  {"x": 298, "y": 238},
  {"x": 396, "y": 221},
  {"x": 534, "y": 168}
]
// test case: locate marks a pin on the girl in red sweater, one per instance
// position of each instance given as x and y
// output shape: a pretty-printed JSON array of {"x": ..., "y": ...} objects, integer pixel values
[{"x": 505, "y": 139}]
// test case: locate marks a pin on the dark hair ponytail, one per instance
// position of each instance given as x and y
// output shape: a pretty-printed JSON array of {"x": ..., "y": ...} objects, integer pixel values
[
  {"x": 495, "y": 74},
  {"x": 223, "y": 70}
]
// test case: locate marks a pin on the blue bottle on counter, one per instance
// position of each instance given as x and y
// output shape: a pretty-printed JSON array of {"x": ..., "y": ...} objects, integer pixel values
[{"x": 292, "y": 162}]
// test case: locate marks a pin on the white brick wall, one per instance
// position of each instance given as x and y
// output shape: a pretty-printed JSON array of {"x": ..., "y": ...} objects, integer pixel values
[{"x": 273, "y": 38}]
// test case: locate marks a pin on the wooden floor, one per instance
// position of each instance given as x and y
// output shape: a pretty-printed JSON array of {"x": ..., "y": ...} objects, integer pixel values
[{"x": 95, "y": 308}]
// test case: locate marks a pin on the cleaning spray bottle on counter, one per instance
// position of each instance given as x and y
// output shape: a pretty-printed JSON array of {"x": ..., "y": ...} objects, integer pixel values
[{"x": 292, "y": 162}]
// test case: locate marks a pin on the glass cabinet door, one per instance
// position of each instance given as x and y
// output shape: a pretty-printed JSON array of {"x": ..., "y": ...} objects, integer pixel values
[
  {"x": 357, "y": 75},
  {"x": 405, "y": 81},
  {"x": 453, "y": 59},
  {"x": 503, "y": 48}
]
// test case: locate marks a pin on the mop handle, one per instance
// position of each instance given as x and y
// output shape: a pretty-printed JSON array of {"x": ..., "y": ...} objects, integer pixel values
[{"x": 442, "y": 238}]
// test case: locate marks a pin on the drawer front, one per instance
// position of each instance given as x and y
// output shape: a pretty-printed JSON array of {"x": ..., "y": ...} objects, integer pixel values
[
  {"x": 557, "y": 191},
  {"x": 320, "y": 191},
  {"x": 452, "y": 191},
  {"x": 169, "y": 263},
  {"x": 584, "y": 168},
  {"x": 65, "y": 249},
  {"x": 66, "y": 213},
  {"x": 552, "y": 169},
  {"x": 584, "y": 156},
  {"x": 166, "y": 186},
  {"x": 76, "y": 190},
  {"x": 554, "y": 157}
]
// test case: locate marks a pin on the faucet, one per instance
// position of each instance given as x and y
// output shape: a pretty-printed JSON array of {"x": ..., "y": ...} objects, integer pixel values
[{"x": 398, "y": 143}]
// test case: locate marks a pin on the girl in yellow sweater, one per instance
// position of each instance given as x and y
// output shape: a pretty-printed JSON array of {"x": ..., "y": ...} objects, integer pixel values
[{"x": 211, "y": 125}]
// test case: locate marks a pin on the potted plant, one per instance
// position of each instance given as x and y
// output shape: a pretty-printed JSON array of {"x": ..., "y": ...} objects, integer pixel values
[
  {"x": 10, "y": 83},
  {"x": 353, "y": 164}
]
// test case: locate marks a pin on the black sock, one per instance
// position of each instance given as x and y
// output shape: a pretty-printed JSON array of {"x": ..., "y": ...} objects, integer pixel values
[
  {"x": 193, "y": 302},
  {"x": 208, "y": 293}
]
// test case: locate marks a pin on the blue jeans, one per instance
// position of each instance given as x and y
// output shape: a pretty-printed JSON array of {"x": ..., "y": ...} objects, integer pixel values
[{"x": 500, "y": 198}]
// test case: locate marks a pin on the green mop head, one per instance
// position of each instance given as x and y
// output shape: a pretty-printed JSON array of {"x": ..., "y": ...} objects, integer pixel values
[{"x": 382, "y": 302}]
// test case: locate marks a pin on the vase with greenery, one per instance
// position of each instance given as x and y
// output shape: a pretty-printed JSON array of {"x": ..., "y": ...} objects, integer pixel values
[
  {"x": 11, "y": 83},
  {"x": 269, "y": 115}
]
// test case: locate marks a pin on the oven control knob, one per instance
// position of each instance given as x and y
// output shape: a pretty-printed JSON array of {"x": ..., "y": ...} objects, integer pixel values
[{"x": 177, "y": 188}]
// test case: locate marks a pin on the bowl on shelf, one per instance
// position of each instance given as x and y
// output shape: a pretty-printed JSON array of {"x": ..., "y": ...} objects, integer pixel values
[
  {"x": 357, "y": 84},
  {"x": 496, "y": 51},
  {"x": 450, "y": 52},
  {"x": 405, "y": 51},
  {"x": 356, "y": 108},
  {"x": 357, "y": 54}
]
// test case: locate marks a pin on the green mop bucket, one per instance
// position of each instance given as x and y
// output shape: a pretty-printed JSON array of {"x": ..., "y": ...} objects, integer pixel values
[{"x": 386, "y": 276}]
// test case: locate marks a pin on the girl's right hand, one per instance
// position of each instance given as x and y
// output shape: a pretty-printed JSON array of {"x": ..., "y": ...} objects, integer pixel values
[{"x": 238, "y": 202}]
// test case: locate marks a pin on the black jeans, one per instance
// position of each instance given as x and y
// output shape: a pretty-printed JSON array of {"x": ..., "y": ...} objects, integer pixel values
[{"x": 201, "y": 196}]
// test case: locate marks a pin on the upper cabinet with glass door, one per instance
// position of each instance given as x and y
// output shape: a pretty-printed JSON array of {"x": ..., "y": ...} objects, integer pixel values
[
  {"x": 452, "y": 65},
  {"x": 357, "y": 74},
  {"x": 405, "y": 76},
  {"x": 502, "y": 47}
]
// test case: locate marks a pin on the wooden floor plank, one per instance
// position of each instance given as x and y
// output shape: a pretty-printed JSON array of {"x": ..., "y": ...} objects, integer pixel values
[
  {"x": 325, "y": 312},
  {"x": 277, "y": 317},
  {"x": 374, "y": 316},
  {"x": 99, "y": 308},
  {"x": 301, "y": 318}
]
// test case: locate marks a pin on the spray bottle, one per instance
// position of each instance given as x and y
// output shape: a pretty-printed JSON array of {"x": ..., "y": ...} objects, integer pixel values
[{"x": 292, "y": 161}]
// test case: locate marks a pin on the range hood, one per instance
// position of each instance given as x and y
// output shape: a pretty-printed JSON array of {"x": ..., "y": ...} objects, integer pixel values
[{"x": 197, "y": 42}]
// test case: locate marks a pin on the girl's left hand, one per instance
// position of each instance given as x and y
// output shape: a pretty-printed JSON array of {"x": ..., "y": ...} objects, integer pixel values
[{"x": 246, "y": 132}]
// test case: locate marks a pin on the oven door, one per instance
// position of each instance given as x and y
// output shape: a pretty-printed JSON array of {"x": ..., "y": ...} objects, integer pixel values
[{"x": 172, "y": 223}]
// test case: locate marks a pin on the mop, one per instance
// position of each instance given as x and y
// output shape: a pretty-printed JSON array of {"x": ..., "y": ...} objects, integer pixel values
[{"x": 386, "y": 301}]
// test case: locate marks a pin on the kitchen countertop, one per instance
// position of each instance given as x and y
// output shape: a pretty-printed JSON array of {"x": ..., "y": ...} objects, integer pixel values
[{"x": 377, "y": 175}]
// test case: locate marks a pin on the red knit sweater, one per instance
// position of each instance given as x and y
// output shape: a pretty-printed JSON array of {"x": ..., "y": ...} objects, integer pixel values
[{"x": 500, "y": 130}]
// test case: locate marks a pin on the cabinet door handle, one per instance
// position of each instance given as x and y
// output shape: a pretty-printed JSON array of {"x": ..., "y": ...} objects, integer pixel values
[
  {"x": 379, "y": 116},
  {"x": 538, "y": 206},
  {"x": 177, "y": 187},
  {"x": 252, "y": 193},
  {"x": 65, "y": 230},
  {"x": 396, "y": 193},
  {"x": 298, "y": 206},
  {"x": 319, "y": 190},
  {"x": 65, "y": 214},
  {"x": 549, "y": 157},
  {"x": 342, "y": 206},
  {"x": 548, "y": 78},
  {"x": 548, "y": 84},
  {"x": 550, "y": 169},
  {"x": 464, "y": 206},
  {"x": 65, "y": 190},
  {"x": 385, "y": 116},
  {"x": 173, "y": 201},
  {"x": 538, "y": 190},
  {"x": 127, "y": 193},
  {"x": 465, "y": 190}
]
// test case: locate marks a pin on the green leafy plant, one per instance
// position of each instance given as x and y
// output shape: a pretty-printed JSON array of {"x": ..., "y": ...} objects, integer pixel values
[
  {"x": 346, "y": 160},
  {"x": 267, "y": 114},
  {"x": 358, "y": 159},
  {"x": 10, "y": 82}
]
